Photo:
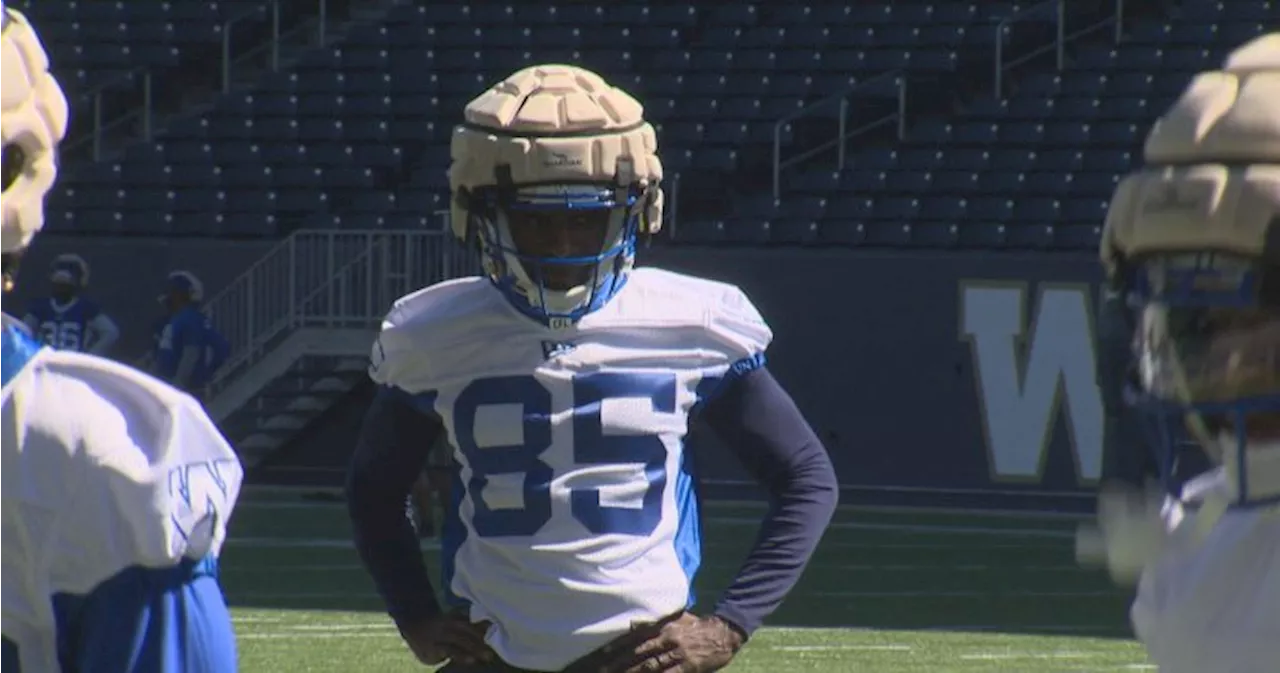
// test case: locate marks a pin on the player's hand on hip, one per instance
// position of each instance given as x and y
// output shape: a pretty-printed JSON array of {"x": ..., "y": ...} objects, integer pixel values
[
  {"x": 449, "y": 636},
  {"x": 685, "y": 644}
]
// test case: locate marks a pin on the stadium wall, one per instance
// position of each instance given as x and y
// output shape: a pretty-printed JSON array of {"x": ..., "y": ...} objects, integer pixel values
[{"x": 935, "y": 378}]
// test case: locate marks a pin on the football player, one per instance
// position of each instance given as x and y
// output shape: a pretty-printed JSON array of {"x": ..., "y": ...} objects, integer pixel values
[
  {"x": 116, "y": 487},
  {"x": 188, "y": 348},
  {"x": 1195, "y": 236},
  {"x": 66, "y": 319},
  {"x": 566, "y": 381}
]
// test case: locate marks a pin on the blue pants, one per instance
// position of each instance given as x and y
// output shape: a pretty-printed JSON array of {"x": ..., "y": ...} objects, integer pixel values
[{"x": 149, "y": 620}]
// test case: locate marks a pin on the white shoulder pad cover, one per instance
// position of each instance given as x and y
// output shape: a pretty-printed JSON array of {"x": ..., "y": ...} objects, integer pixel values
[
  {"x": 724, "y": 309},
  {"x": 156, "y": 480},
  {"x": 737, "y": 320},
  {"x": 430, "y": 313}
]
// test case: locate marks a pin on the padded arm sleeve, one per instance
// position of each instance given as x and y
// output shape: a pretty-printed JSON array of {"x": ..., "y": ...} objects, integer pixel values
[
  {"x": 391, "y": 452},
  {"x": 758, "y": 420}
]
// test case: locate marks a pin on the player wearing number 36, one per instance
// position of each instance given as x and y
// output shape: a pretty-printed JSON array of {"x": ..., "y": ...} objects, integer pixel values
[{"x": 566, "y": 381}]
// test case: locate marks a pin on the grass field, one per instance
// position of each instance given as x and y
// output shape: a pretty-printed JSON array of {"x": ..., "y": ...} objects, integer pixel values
[{"x": 888, "y": 592}]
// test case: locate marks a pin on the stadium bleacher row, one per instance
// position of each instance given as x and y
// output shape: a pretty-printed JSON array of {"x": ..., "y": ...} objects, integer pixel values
[{"x": 355, "y": 134}]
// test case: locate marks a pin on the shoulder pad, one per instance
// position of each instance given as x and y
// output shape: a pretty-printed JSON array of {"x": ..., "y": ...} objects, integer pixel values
[
  {"x": 430, "y": 313},
  {"x": 724, "y": 309},
  {"x": 155, "y": 480}
]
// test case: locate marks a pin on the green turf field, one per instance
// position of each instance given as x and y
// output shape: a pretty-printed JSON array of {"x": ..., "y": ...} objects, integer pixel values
[{"x": 888, "y": 592}]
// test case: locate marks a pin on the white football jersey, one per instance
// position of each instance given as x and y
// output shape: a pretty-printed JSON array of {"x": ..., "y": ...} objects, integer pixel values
[
  {"x": 105, "y": 471},
  {"x": 579, "y": 515},
  {"x": 1211, "y": 600}
]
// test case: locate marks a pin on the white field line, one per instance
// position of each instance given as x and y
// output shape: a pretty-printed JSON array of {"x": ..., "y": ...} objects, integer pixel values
[
  {"x": 726, "y": 521},
  {"x": 841, "y": 648},
  {"x": 385, "y": 629}
]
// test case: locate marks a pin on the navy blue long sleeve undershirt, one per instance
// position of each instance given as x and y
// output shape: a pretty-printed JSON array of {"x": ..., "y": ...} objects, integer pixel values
[
  {"x": 756, "y": 419},
  {"x": 751, "y": 414},
  {"x": 395, "y": 438}
]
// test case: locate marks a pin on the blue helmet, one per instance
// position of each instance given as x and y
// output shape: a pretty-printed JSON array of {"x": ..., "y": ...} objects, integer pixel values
[
  {"x": 554, "y": 177},
  {"x": 1194, "y": 238}
]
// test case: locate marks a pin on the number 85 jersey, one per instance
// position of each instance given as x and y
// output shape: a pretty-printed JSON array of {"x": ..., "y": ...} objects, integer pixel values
[{"x": 578, "y": 507}]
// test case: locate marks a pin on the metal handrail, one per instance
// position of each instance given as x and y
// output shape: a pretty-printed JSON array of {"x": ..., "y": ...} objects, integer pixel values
[
  {"x": 1118, "y": 18},
  {"x": 127, "y": 76},
  {"x": 673, "y": 212},
  {"x": 227, "y": 30},
  {"x": 95, "y": 96},
  {"x": 145, "y": 105},
  {"x": 1002, "y": 30},
  {"x": 899, "y": 80},
  {"x": 326, "y": 278},
  {"x": 258, "y": 340},
  {"x": 1059, "y": 43},
  {"x": 144, "y": 111},
  {"x": 272, "y": 45}
]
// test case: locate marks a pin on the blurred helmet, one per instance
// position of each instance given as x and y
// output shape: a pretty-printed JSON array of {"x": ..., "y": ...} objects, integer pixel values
[
  {"x": 33, "y": 120},
  {"x": 1194, "y": 237}
]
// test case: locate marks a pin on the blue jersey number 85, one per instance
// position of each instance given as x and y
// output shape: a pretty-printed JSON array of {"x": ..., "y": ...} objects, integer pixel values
[{"x": 591, "y": 446}]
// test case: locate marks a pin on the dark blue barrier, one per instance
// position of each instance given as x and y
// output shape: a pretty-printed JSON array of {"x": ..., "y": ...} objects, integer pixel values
[{"x": 945, "y": 378}]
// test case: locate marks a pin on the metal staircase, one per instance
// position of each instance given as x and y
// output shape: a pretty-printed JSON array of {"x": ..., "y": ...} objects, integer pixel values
[{"x": 301, "y": 322}]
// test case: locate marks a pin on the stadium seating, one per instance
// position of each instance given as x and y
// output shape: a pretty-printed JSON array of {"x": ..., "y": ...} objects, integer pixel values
[
  {"x": 1033, "y": 170},
  {"x": 356, "y": 134}
]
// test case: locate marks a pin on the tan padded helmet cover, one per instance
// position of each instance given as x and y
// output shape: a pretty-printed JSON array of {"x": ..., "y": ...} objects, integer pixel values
[
  {"x": 1212, "y": 174},
  {"x": 33, "y": 115},
  {"x": 553, "y": 123}
]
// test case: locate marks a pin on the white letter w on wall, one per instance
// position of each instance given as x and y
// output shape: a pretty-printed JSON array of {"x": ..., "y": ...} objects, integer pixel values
[{"x": 1026, "y": 375}]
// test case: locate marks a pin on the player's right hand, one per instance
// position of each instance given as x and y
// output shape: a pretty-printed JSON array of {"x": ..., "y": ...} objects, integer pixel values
[{"x": 448, "y": 636}]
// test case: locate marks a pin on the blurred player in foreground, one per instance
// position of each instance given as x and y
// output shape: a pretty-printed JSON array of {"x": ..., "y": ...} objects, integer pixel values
[
  {"x": 1196, "y": 236},
  {"x": 567, "y": 380},
  {"x": 66, "y": 319},
  {"x": 116, "y": 487}
]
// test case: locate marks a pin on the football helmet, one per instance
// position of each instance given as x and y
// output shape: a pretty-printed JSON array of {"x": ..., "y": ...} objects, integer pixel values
[
  {"x": 182, "y": 283},
  {"x": 1194, "y": 238},
  {"x": 69, "y": 269},
  {"x": 554, "y": 175},
  {"x": 33, "y": 120}
]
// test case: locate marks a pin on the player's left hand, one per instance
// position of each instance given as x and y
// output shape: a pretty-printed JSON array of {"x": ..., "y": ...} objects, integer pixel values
[{"x": 685, "y": 644}]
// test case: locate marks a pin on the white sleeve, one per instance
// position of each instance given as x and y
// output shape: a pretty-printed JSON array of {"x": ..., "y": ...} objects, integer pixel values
[
  {"x": 106, "y": 333},
  {"x": 737, "y": 324},
  {"x": 395, "y": 352},
  {"x": 172, "y": 492},
  {"x": 158, "y": 481}
]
